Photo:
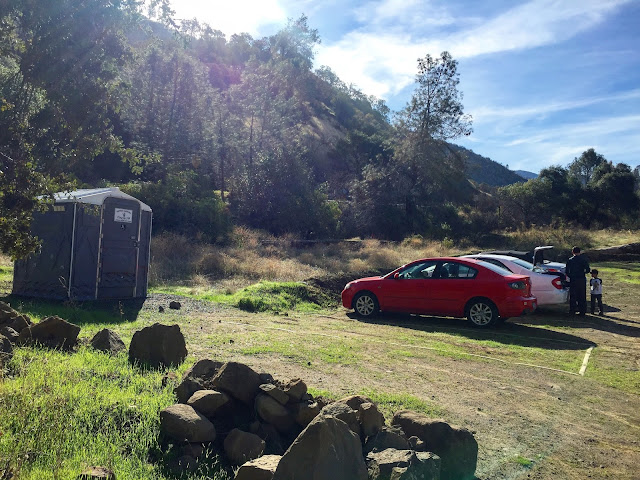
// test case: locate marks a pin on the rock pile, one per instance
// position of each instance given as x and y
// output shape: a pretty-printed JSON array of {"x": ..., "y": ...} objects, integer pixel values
[{"x": 276, "y": 430}]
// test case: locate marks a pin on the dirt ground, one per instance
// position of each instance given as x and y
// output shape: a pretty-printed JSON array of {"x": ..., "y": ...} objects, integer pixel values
[{"x": 530, "y": 422}]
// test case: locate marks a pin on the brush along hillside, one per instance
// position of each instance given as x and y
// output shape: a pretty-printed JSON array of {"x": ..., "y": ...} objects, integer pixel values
[{"x": 517, "y": 388}]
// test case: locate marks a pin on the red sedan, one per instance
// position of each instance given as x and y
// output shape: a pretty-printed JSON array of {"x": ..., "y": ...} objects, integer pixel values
[{"x": 455, "y": 287}]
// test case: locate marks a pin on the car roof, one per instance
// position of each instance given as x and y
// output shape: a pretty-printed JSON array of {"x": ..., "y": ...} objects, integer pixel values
[{"x": 493, "y": 255}]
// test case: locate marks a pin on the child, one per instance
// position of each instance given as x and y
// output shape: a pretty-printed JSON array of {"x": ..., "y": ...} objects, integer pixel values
[{"x": 596, "y": 292}]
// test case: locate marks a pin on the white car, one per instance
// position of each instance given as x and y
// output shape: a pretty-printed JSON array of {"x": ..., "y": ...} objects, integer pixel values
[
  {"x": 536, "y": 256},
  {"x": 548, "y": 287}
]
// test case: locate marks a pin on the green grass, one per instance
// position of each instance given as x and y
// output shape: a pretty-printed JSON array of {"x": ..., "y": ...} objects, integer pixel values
[
  {"x": 62, "y": 412},
  {"x": 390, "y": 403},
  {"x": 627, "y": 273},
  {"x": 262, "y": 297},
  {"x": 525, "y": 462}
]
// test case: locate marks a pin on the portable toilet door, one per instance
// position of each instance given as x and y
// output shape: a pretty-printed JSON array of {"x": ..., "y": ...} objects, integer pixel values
[{"x": 119, "y": 250}]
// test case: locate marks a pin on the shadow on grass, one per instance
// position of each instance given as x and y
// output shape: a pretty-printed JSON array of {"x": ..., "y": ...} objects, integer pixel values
[
  {"x": 604, "y": 323},
  {"x": 79, "y": 313},
  {"x": 507, "y": 333}
]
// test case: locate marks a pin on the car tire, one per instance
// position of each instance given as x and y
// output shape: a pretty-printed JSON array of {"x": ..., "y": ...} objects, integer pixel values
[
  {"x": 366, "y": 304},
  {"x": 482, "y": 313}
]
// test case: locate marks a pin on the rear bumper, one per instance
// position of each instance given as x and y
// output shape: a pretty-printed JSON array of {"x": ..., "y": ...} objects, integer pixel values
[{"x": 517, "y": 306}]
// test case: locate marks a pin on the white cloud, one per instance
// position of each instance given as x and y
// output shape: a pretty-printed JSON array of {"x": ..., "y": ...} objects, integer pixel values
[
  {"x": 374, "y": 57},
  {"x": 231, "y": 17}
]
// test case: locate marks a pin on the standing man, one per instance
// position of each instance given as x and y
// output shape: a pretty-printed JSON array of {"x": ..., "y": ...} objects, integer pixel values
[{"x": 577, "y": 269}]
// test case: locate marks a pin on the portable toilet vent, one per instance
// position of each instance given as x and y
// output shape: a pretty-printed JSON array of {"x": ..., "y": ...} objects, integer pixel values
[{"x": 94, "y": 245}]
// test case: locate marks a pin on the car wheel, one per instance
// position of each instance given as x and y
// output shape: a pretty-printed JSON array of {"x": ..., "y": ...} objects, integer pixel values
[
  {"x": 482, "y": 313},
  {"x": 365, "y": 304}
]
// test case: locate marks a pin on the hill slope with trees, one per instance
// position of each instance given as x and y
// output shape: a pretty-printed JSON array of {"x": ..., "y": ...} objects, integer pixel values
[{"x": 214, "y": 131}]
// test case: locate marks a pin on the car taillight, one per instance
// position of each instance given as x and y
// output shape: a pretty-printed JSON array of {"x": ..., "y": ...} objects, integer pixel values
[
  {"x": 519, "y": 285},
  {"x": 557, "y": 282},
  {"x": 552, "y": 270}
]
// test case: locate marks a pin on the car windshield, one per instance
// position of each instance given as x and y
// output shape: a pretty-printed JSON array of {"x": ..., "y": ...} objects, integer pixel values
[{"x": 495, "y": 268}]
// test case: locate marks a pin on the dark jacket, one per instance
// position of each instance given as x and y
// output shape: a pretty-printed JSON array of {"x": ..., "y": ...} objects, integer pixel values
[{"x": 577, "y": 267}]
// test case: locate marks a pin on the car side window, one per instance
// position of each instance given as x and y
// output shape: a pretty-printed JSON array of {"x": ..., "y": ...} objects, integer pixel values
[
  {"x": 457, "y": 270},
  {"x": 497, "y": 263},
  {"x": 418, "y": 271}
]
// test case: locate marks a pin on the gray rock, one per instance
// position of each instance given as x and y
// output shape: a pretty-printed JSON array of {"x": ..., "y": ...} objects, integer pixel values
[
  {"x": 52, "y": 332},
  {"x": 10, "y": 333},
  {"x": 158, "y": 346},
  {"x": 456, "y": 447},
  {"x": 354, "y": 401},
  {"x": 175, "y": 305},
  {"x": 208, "y": 402},
  {"x": 295, "y": 388},
  {"x": 241, "y": 447},
  {"x": 6, "y": 351},
  {"x": 198, "y": 377},
  {"x": 380, "y": 464},
  {"x": 182, "y": 422},
  {"x": 303, "y": 413},
  {"x": 96, "y": 473},
  {"x": 275, "y": 392},
  {"x": 107, "y": 341},
  {"x": 387, "y": 438},
  {"x": 194, "y": 450},
  {"x": 273, "y": 412},
  {"x": 6, "y": 313},
  {"x": 238, "y": 380},
  {"x": 20, "y": 322},
  {"x": 261, "y": 468},
  {"x": 370, "y": 418},
  {"x": 427, "y": 467},
  {"x": 417, "y": 444},
  {"x": 327, "y": 449},
  {"x": 343, "y": 412}
]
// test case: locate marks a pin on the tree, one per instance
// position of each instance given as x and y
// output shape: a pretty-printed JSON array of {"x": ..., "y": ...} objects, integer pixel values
[
  {"x": 431, "y": 173},
  {"x": 582, "y": 168},
  {"x": 59, "y": 66}
]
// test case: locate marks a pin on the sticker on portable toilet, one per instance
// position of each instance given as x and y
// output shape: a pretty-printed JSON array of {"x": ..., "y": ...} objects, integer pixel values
[{"x": 123, "y": 215}]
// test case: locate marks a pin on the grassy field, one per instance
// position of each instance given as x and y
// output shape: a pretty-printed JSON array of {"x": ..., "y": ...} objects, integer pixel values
[{"x": 60, "y": 412}]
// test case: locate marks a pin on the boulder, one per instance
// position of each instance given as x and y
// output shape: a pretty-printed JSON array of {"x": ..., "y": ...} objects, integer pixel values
[
  {"x": 354, "y": 401},
  {"x": 304, "y": 412},
  {"x": 97, "y": 473},
  {"x": 7, "y": 314},
  {"x": 208, "y": 402},
  {"x": 194, "y": 450},
  {"x": 273, "y": 412},
  {"x": 380, "y": 464},
  {"x": 182, "y": 422},
  {"x": 343, "y": 412},
  {"x": 52, "y": 332},
  {"x": 427, "y": 467},
  {"x": 261, "y": 468},
  {"x": 107, "y": 341},
  {"x": 417, "y": 444},
  {"x": 238, "y": 380},
  {"x": 456, "y": 447},
  {"x": 326, "y": 450},
  {"x": 6, "y": 350},
  {"x": 273, "y": 391},
  {"x": 387, "y": 438},
  {"x": 175, "y": 305},
  {"x": 19, "y": 323},
  {"x": 198, "y": 377},
  {"x": 295, "y": 388},
  {"x": 370, "y": 418},
  {"x": 10, "y": 333},
  {"x": 158, "y": 346},
  {"x": 241, "y": 447}
]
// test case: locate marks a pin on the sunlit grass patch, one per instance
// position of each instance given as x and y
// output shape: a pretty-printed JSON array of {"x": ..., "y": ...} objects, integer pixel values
[
  {"x": 391, "y": 402},
  {"x": 627, "y": 272},
  {"x": 62, "y": 412},
  {"x": 262, "y": 297}
]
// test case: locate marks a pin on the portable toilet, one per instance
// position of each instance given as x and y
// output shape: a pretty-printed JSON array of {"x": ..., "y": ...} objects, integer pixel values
[{"x": 94, "y": 245}]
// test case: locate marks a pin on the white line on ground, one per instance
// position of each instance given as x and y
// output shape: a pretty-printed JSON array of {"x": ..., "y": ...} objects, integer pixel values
[{"x": 583, "y": 368}]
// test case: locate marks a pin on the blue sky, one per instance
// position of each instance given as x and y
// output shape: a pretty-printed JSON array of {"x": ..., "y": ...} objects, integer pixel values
[{"x": 544, "y": 80}]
